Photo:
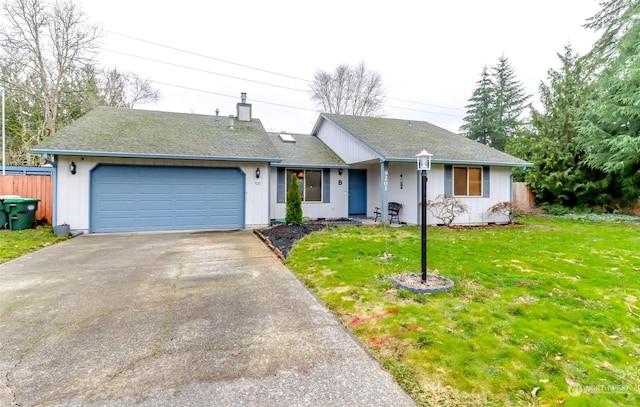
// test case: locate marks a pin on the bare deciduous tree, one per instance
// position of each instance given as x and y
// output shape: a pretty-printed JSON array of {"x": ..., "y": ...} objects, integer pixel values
[
  {"x": 48, "y": 42},
  {"x": 119, "y": 89},
  {"x": 349, "y": 90},
  {"x": 446, "y": 208}
]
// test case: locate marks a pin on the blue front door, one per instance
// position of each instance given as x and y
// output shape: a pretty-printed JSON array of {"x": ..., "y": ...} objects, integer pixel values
[{"x": 357, "y": 192}]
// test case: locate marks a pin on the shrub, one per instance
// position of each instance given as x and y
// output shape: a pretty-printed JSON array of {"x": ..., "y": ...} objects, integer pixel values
[
  {"x": 446, "y": 208},
  {"x": 504, "y": 208},
  {"x": 294, "y": 203},
  {"x": 556, "y": 210}
]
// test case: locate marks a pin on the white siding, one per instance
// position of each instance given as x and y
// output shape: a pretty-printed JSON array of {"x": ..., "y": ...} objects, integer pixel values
[
  {"x": 479, "y": 207},
  {"x": 406, "y": 194},
  {"x": 337, "y": 208},
  {"x": 409, "y": 194},
  {"x": 374, "y": 197},
  {"x": 350, "y": 149},
  {"x": 410, "y": 198},
  {"x": 72, "y": 204}
]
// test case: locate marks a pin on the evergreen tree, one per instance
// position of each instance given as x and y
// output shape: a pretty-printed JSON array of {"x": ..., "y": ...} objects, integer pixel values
[
  {"x": 614, "y": 20},
  {"x": 293, "y": 215},
  {"x": 560, "y": 174},
  {"x": 480, "y": 119},
  {"x": 510, "y": 100},
  {"x": 493, "y": 114},
  {"x": 610, "y": 121}
]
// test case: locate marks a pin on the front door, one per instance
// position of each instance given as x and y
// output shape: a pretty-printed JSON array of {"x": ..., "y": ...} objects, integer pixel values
[{"x": 357, "y": 192}]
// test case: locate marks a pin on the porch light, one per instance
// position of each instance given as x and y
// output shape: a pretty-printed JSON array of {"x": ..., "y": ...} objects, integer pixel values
[
  {"x": 424, "y": 160},
  {"x": 72, "y": 168},
  {"x": 257, "y": 172}
]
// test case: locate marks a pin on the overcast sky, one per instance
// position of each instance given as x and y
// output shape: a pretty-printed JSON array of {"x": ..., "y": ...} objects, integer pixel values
[{"x": 430, "y": 52}]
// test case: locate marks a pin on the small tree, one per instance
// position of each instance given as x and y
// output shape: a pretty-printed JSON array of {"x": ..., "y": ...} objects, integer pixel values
[
  {"x": 294, "y": 203},
  {"x": 446, "y": 208}
]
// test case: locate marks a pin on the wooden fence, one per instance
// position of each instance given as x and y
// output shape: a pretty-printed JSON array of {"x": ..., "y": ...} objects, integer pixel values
[
  {"x": 523, "y": 198},
  {"x": 31, "y": 186}
]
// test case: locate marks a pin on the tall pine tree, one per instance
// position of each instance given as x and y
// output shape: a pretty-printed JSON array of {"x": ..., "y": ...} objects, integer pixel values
[
  {"x": 480, "y": 120},
  {"x": 510, "y": 101},
  {"x": 493, "y": 114}
]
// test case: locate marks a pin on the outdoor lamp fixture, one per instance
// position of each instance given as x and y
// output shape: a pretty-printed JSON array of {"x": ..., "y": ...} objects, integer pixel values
[
  {"x": 340, "y": 170},
  {"x": 424, "y": 165},
  {"x": 72, "y": 168},
  {"x": 424, "y": 161},
  {"x": 257, "y": 172}
]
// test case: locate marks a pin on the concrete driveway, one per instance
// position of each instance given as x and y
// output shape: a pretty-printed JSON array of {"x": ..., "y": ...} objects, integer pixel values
[{"x": 174, "y": 319}]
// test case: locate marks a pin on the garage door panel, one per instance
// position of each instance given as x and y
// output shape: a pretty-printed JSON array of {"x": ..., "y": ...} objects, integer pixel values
[
  {"x": 158, "y": 204},
  {"x": 144, "y": 198}
]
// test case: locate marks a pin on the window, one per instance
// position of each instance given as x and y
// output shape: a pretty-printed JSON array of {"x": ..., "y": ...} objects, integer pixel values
[
  {"x": 467, "y": 181},
  {"x": 309, "y": 182}
]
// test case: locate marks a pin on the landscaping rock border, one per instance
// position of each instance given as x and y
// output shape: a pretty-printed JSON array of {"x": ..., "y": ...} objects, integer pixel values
[{"x": 413, "y": 282}]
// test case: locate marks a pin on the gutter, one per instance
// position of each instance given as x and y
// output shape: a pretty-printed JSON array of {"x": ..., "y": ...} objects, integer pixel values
[
  {"x": 54, "y": 207},
  {"x": 155, "y": 156},
  {"x": 292, "y": 165},
  {"x": 465, "y": 162}
]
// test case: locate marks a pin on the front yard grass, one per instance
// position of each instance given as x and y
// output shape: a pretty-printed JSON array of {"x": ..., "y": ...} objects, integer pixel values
[
  {"x": 542, "y": 313},
  {"x": 16, "y": 243}
]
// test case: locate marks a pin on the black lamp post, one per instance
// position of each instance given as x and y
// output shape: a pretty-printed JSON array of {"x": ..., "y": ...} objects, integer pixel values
[{"x": 424, "y": 165}]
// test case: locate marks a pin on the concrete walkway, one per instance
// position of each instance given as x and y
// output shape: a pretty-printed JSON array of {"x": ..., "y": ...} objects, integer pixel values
[{"x": 174, "y": 319}]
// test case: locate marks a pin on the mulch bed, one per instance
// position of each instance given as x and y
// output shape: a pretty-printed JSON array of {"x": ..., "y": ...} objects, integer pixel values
[{"x": 281, "y": 238}]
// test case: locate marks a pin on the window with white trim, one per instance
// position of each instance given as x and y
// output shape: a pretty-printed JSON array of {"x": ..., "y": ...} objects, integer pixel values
[
  {"x": 467, "y": 181},
  {"x": 309, "y": 182}
]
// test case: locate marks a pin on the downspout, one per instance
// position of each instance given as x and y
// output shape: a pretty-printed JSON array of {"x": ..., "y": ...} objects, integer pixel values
[
  {"x": 521, "y": 170},
  {"x": 54, "y": 165},
  {"x": 511, "y": 187},
  {"x": 269, "y": 171},
  {"x": 384, "y": 183}
]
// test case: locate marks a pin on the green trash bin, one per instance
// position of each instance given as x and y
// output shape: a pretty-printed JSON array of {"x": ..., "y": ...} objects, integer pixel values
[
  {"x": 21, "y": 212},
  {"x": 4, "y": 216}
]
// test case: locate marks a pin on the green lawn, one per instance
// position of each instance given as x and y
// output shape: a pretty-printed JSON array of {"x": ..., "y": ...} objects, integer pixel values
[
  {"x": 542, "y": 313},
  {"x": 16, "y": 243}
]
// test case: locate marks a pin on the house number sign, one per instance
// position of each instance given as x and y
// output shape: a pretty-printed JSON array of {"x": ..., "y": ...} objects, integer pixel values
[{"x": 386, "y": 179}]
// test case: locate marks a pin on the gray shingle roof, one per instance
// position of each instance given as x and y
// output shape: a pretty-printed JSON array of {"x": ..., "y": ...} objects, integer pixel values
[
  {"x": 399, "y": 139},
  {"x": 308, "y": 151},
  {"x": 108, "y": 131}
]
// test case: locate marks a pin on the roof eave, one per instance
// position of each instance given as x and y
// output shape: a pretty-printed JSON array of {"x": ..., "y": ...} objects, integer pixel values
[
  {"x": 155, "y": 156},
  {"x": 337, "y": 166},
  {"x": 465, "y": 162},
  {"x": 316, "y": 126}
]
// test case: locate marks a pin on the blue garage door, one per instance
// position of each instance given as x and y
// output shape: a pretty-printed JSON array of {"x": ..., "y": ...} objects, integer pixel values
[{"x": 141, "y": 198}]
